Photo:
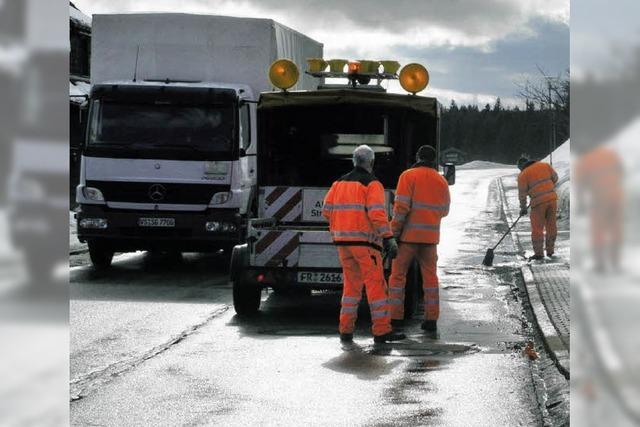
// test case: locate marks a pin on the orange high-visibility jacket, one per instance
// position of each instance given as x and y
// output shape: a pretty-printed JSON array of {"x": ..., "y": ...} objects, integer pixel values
[
  {"x": 538, "y": 181},
  {"x": 422, "y": 200},
  {"x": 355, "y": 209}
]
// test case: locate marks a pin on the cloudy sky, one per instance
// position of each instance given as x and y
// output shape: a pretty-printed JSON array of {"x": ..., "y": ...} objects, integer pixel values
[{"x": 475, "y": 50}]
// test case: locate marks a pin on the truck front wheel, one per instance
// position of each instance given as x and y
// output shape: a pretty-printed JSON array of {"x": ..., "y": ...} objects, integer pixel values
[
  {"x": 246, "y": 297},
  {"x": 100, "y": 255}
]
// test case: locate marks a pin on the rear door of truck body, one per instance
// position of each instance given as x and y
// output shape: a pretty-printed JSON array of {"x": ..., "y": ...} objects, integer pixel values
[{"x": 306, "y": 144}]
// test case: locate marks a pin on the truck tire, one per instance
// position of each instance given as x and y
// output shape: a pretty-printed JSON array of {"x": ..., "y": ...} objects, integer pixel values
[
  {"x": 413, "y": 291},
  {"x": 246, "y": 297},
  {"x": 100, "y": 255},
  {"x": 246, "y": 294}
]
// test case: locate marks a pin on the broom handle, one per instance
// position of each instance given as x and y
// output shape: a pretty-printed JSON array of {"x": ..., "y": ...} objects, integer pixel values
[{"x": 509, "y": 230}]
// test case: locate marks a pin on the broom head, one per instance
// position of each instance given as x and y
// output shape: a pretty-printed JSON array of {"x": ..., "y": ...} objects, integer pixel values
[{"x": 488, "y": 258}]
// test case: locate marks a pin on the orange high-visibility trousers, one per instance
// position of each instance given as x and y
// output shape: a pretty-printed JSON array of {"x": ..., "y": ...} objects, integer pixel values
[
  {"x": 427, "y": 257},
  {"x": 543, "y": 218},
  {"x": 362, "y": 265}
]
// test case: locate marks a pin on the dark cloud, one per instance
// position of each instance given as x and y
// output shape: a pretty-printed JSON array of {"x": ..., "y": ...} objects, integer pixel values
[
  {"x": 473, "y": 70},
  {"x": 473, "y": 18},
  {"x": 481, "y": 46}
]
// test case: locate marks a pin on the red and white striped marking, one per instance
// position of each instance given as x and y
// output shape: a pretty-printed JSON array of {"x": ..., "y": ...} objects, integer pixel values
[
  {"x": 282, "y": 203},
  {"x": 275, "y": 247}
]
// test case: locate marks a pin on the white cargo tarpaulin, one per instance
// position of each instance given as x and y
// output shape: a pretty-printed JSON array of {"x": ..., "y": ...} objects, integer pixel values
[{"x": 195, "y": 48}]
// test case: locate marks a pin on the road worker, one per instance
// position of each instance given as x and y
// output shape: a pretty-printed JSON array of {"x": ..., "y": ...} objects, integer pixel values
[
  {"x": 538, "y": 181},
  {"x": 360, "y": 229},
  {"x": 421, "y": 201}
]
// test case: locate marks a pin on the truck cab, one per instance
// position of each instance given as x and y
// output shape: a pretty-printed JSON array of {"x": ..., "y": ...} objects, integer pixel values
[
  {"x": 166, "y": 166},
  {"x": 169, "y": 161},
  {"x": 307, "y": 141}
]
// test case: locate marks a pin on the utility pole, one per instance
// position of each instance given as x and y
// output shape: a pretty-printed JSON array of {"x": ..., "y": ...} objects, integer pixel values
[{"x": 552, "y": 130}]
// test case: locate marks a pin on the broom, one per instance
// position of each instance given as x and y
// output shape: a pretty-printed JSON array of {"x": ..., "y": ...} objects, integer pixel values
[{"x": 488, "y": 257}]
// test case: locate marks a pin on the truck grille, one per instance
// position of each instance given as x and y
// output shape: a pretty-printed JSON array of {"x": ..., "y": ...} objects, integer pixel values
[{"x": 152, "y": 192}]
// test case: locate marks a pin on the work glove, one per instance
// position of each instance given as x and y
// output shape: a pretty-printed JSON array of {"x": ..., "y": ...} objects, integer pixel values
[
  {"x": 523, "y": 211},
  {"x": 390, "y": 247}
]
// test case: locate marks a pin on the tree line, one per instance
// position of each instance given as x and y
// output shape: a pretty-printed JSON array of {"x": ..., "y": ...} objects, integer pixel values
[{"x": 502, "y": 134}]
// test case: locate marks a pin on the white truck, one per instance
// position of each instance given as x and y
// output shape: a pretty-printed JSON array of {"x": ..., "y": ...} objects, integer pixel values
[
  {"x": 169, "y": 161},
  {"x": 307, "y": 140}
]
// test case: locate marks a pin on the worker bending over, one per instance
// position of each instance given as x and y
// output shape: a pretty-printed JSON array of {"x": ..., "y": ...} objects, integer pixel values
[{"x": 538, "y": 181}]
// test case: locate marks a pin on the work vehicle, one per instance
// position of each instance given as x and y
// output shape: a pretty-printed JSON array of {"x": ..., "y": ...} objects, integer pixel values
[
  {"x": 169, "y": 162},
  {"x": 307, "y": 140}
]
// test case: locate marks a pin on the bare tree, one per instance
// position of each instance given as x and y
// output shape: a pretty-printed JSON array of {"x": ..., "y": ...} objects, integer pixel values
[{"x": 547, "y": 91}]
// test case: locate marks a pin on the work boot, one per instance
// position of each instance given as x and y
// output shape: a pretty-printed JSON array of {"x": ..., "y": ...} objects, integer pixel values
[
  {"x": 346, "y": 337},
  {"x": 429, "y": 325},
  {"x": 535, "y": 257},
  {"x": 550, "y": 254},
  {"x": 397, "y": 323},
  {"x": 388, "y": 337}
]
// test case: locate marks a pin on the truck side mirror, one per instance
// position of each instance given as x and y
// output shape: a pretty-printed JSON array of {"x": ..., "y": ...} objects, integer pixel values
[{"x": 449, "y": 173}]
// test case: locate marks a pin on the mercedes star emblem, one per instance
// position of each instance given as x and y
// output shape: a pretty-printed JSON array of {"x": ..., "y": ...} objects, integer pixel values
[{"x": 157, "y": 192}]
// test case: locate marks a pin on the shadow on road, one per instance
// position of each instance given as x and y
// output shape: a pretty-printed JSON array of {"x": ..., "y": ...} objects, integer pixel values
[
  {"x": 294, "y": 315},
  {"x": 145, "y": 276},
  {"x": 356, "y": 360}
]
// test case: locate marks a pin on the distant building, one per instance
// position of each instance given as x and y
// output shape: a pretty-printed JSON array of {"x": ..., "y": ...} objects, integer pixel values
[{"x": 453, "y": 155}]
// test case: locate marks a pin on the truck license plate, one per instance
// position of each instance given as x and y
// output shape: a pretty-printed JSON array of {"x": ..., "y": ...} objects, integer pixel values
[
  {"x": 156, "y": 222},
  {"x": 319, "y": 277}
]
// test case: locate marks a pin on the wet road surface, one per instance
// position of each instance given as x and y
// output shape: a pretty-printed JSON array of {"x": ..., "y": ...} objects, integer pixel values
[{"x": 155, "y": 341}]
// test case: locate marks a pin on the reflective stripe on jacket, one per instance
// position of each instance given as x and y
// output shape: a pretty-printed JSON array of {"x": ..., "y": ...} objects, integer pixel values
[
  {"x": 355, "y": 209},
  {"x": 538, "y": 181},
  {"x": 422, "y": 200}
]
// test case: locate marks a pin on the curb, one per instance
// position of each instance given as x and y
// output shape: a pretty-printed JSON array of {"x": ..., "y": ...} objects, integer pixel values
[
  {"x": 552, "y": 342},
  {"x": 550, "y": 338}
]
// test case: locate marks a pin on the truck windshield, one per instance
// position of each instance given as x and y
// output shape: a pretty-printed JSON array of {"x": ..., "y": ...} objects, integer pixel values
[{"x": 203, "y": 128}]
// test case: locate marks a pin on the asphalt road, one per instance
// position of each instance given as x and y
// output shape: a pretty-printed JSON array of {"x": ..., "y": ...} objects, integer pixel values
[{"x": 155, "y": 341}]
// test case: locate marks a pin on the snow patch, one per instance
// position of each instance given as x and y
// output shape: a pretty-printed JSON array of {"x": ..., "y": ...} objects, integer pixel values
[
  {"x": 79, "y": 92},
  {"x": 562, "y": 164},
  {"x": 79, "y": 18},
  {"x": 482, "y": 164},
  {"x": 74, "y": 244}
]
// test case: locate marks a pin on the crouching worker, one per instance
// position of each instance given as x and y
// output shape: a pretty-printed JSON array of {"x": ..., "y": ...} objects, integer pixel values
[
  {"x": 538, "y": 181},
  {"x": 360, "y": 229},
  {"x": 421, "y": 201}
]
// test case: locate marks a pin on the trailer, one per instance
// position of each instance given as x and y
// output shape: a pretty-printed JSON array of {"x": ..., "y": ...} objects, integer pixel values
[{"x": 169, "y": 161}]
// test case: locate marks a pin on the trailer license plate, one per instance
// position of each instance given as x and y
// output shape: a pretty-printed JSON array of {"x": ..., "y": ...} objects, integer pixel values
[
  {"x": 319, "y": 277},
  {"x": 156, "y": 222}
]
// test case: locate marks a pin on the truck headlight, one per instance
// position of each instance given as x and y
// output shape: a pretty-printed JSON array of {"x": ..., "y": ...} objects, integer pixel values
[
  {"x": 93, "y": 194},
  {"x": 221, "y": 198},
  {"x": 100, "y": 223},
  {"x": 224, "y": 227},
  {"x": 212, "y": 226},
  {"x": 228, "y": 227}
]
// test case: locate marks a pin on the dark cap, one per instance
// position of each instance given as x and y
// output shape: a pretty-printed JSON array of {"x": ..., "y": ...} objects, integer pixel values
[
  {"x": 522, "y": 161},
  {"x": 426, "y": 153}
]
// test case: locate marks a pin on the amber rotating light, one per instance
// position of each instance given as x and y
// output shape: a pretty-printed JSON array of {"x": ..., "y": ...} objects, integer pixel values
[
  {"x": 283, "y": 74},
  {"x": 414, "y": 78}
]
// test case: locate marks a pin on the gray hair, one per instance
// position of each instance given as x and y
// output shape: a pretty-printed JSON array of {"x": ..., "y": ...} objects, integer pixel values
[{"x": 363, "y": 156}]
